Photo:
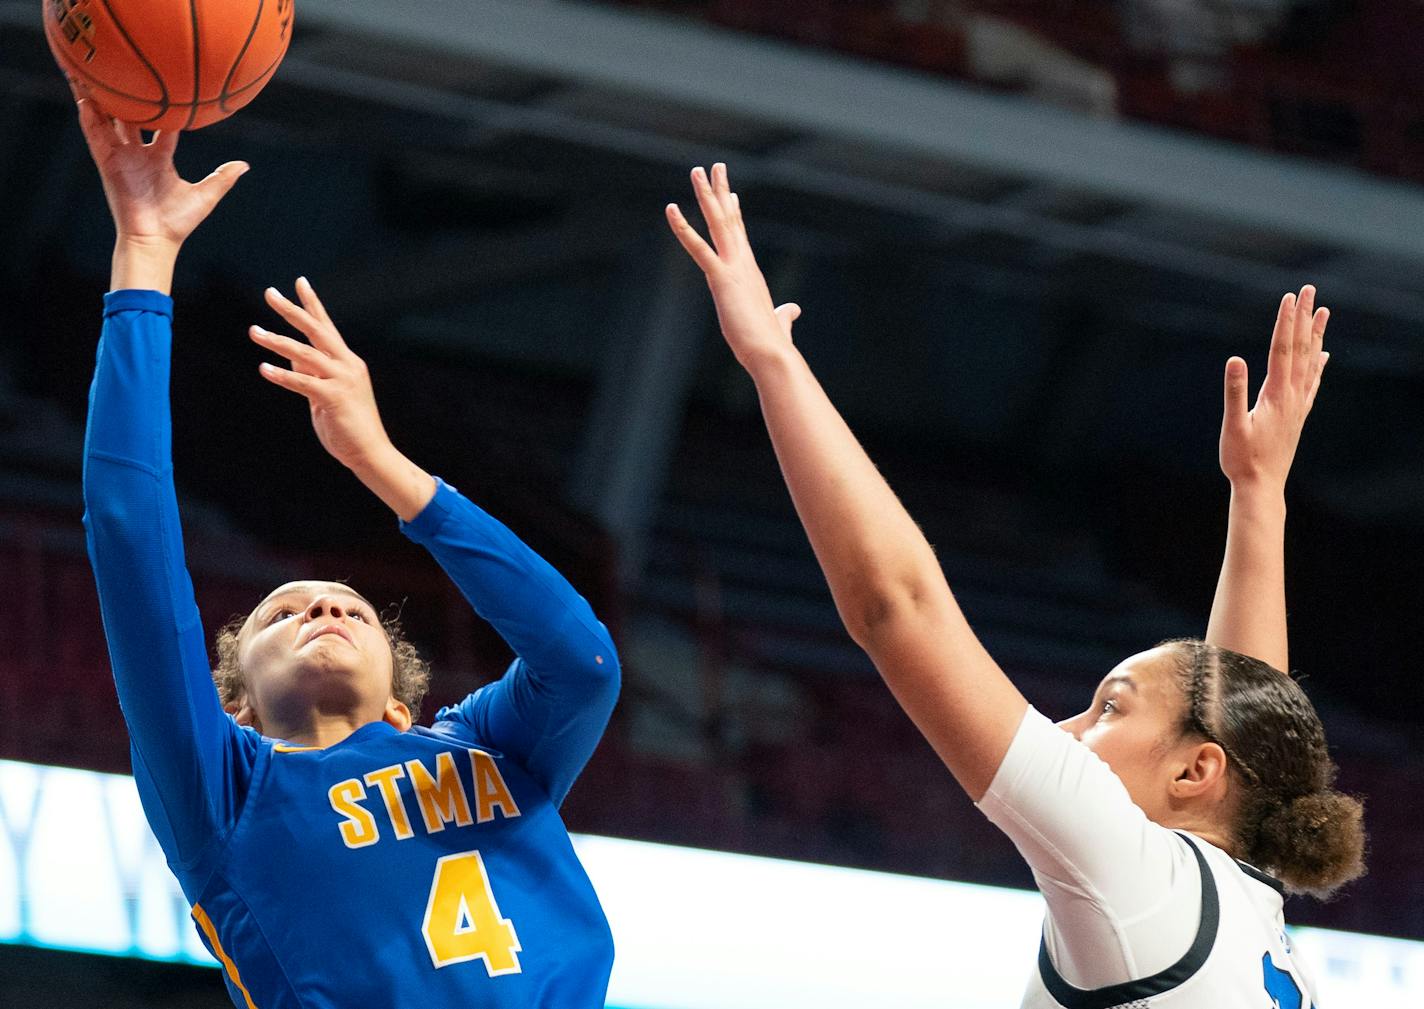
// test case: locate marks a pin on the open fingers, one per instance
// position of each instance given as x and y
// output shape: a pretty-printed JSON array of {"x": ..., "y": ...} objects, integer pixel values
[
  {"x": 787, "y": 315},
  {"x": 304, "y": 385},
  {"x": 711, "y": 205},
  {"x": 97, "y": 135},
  {"x": 1278, "y": 367},
  {"x": 1301, "y": 335},
  {"x": 1315, "y": 360},
  {"x": 127, "y": 133},
  {"x": 1322, "y": 359},
  {"x": 164, "y": 143},
  {"x": 310, "y": 301},
  {"x": 303, "y": 356},
  {"x": 731, "y": 204},
  {"x": 1318, "y": 357},
  {"x": 1237, "y": 412},
  {"x": 320, "y": 332},
  {"x": 702, "y": 253},
  {"x": 722, "y": 189},
  {"x": 734, "y": 217}
]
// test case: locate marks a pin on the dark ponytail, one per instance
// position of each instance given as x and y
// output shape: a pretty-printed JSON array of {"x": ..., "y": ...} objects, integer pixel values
[{"x": 1290, "y": 820}]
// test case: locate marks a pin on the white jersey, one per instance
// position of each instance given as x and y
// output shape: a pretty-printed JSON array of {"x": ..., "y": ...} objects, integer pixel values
[{"x": 1138, "y": 915}]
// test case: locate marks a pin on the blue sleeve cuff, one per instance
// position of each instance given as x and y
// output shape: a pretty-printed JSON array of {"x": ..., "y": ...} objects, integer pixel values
[
  {"x": 138, "y": 301},
  {"x": 424, "y": 526}
]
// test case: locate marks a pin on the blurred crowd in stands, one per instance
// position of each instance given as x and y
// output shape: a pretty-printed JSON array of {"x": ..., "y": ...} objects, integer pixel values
[
  {"x": 748, "y": 723},
  {"x": 1338, "y": 80}
]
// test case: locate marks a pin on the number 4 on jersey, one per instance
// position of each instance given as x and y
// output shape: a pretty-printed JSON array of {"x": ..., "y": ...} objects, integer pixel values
[
  {"x": 462, "y": 920},
  {"x": 1281, "y": 986}
]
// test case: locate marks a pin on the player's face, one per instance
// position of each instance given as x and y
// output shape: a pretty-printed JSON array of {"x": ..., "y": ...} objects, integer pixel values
[
  {"x": 314, "y": 646},
  {"x": 1133, "y": 724}
]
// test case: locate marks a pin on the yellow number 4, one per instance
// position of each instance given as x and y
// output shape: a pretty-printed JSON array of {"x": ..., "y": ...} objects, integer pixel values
[{"x": 462, "y": 920}]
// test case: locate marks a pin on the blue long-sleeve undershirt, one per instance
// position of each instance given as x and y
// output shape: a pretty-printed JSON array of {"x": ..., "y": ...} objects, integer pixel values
[{"x": 193, "y": 763}]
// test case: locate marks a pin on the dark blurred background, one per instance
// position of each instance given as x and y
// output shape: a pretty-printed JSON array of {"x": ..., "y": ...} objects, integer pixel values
[{"x": 1026, "y": 236}]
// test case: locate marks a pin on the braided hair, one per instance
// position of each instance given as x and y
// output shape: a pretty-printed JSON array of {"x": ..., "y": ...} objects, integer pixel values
[{"x": 1289, "y": 819}]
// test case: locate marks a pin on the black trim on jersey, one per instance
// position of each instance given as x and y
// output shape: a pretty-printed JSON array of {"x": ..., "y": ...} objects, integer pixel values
[
  {"x": 1262, "y": 877},
  {"x": 1130, "y": 991}
]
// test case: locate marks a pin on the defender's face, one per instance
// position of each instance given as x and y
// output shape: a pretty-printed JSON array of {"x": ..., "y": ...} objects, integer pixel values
[
  {"x": 314, "y": 646},
  {"x": 1133, "y": 725}
]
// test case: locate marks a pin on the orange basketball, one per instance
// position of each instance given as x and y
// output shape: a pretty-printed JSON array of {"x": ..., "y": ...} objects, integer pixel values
[{"x": 169, "y": 64}]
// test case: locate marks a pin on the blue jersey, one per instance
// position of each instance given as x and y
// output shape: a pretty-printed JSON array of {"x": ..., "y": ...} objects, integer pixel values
[{"x": 427, "y": 867}]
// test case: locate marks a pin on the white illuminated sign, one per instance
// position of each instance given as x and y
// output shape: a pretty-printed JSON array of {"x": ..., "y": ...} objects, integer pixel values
[{"x": 79, "y": 869}]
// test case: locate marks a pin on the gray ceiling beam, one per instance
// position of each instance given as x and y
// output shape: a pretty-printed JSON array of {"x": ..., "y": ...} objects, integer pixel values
[
  {"x": 533, "y": 32},
  {"x": 945, "y": 218},
  {"x": 823, "y": 93}
]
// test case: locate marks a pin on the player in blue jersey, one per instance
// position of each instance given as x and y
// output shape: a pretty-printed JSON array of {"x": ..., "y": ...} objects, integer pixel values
[
  {"x": 1148, "y": 819},
  {"x": 340, "y": 856}
]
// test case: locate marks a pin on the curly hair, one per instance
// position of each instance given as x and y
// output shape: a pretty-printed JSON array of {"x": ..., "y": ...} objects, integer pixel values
[
  {"x": 1290, "y": 819},
  {"x": 410, "y": 673}
]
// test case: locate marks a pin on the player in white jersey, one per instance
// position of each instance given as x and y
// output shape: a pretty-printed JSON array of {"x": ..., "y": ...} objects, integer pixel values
[{"x": 1164, "y": 823}]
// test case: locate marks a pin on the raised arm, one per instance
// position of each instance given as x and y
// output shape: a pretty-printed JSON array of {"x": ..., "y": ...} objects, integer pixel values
[
  {"x": 189, "y": 759},
  {"x": 1258, "y": 445},
  {"x": 887, "y": 584},
  {"x": 550, "y": 708}
]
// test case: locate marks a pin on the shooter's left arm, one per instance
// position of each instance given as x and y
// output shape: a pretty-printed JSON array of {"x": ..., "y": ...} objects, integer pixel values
[
  {"x": 1258, "y": 445},
  {"x": 550, "y": 709}
]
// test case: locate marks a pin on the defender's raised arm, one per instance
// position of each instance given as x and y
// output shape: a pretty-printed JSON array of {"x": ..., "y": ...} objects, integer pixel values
[
  {"x": 1258, "y": 446},
  {"x": 887, "y": 583}
]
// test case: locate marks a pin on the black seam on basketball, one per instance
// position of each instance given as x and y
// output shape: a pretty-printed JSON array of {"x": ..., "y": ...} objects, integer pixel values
[
  {"x": 167, "y": 104},
  {"x": 95, "y": 83},
  {"x": 157, "y": 77},
  {"x": 251, "y": 34},
  {"x": 255, "y": 82},
  {"x": 197, "y": 64},
  {"x": 1149, "y": 987}
]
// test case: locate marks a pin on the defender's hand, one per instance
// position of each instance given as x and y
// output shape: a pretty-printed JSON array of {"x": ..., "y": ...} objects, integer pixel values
[
  {"x": 332, "y": 378},
  {"x": 151, "y": 205},
  {"x": 1258, "y": 445},
  {"x": 750, "y": 323}
]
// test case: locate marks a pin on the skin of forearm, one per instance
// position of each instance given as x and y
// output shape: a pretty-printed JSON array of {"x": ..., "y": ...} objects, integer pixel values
[
  {"x": 873, "y": 554},
  {"x": 404, "y": 487},
  {"x": 885, "y": 578},
  {"x": 143, "y": 265},
  {"x": 1249, "y": 612}
]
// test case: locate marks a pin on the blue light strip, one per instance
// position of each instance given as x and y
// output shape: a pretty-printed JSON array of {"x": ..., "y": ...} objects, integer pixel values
[{"x": 80, "y": 870}]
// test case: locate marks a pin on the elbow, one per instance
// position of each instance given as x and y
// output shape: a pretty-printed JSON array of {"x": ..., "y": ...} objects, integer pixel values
[
  {"x": 120, "y": 527},
  {"x": 604, "y": 672},
  {"x": 882, "y": 612},
  {"x": 876, "y": 611}
]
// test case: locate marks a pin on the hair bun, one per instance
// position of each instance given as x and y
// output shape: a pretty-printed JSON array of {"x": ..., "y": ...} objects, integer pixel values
[{"x": 1315, "y": 842}]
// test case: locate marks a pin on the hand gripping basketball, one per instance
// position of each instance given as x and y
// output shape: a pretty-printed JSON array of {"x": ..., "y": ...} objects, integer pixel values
[
  {"x": 150, "y": 203},
  {"x": 178, "y": 65}
]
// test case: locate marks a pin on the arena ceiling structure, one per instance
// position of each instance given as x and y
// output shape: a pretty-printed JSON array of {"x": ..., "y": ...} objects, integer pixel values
[{"x": 453, "y": 176}]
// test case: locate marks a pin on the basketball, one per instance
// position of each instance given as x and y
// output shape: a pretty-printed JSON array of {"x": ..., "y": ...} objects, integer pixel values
[{"x": 169, "y": 64}]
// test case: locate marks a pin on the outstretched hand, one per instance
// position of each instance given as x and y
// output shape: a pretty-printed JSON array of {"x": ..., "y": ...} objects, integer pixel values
[
  {"x": 151, "y": 204},
  {"x": 751, "y": 324},
  {"x": 333, "y": 379},
  {"x": 1258, "y": 445}
]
